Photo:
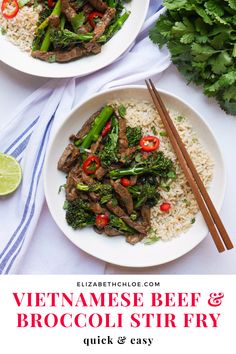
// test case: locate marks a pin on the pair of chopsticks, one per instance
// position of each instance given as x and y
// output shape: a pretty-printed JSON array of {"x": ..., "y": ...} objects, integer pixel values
[{"x": 211, "y": 217}]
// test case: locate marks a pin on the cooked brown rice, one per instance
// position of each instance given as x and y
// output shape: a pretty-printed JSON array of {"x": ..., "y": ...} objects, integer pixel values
[
  {"x": 183, "y": 204},
  {"x": 20, "y": 29}
]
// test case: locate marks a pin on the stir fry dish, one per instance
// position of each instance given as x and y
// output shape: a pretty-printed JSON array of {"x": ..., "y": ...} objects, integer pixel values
[
  {"x": 63, "y": 30},
  {"x": 113, "y": 175}
]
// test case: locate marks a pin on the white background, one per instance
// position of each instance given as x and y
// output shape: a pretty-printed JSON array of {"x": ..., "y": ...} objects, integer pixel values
[{"x": 204, "y": 259}]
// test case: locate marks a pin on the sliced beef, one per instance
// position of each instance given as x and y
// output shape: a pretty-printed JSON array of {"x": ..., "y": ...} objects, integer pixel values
[
  {"x": 97, "y": 230},
  {"x": 146, "y": 214},
  {"x": 68, "y": 158},
  {"x": 118, "y": 211},
  {"x": 67, "y": 10},
  {"x": 60, "y": 56},
  {"x": 133, "y": 239},
  {"x": 96, "y": 208},
  {"x": 85, "y": 128},
  {"x": 92, "y": 47},
  {"x": 135, "y": 225},
  {"x": 73, "y": 178},
  {"x": 126, "y": 154},
  {"x": 115, "y": 209},
  {"x": 104, "y": 23},
  {"x": 145, "y": 155},
  {"x": 86, "y": 179},
  {"x": 87, "y": 9},
  {"x": 71, "y": 192},
  {"x": 109, "y": 231},
  {"x": 85, "y": 28},
  {"x": 54, "y": 21},
  {"x": 123, "y": 141},
  {"x": 94, "y": 147},
  {"x": 124, "y": 195},
  {"x": 100, "y": 173},
  {"x": 94, "y": 196},
  {"x": 133, "y": 180},
  {"x": 98, "y": 5}
]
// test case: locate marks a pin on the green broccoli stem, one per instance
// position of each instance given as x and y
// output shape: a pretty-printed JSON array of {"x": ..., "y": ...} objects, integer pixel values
[
  {"x": 56, "y": 11},
  {"x": 64, "y": 37},
  {"x": 117, "y": 25},
  {"x": 97, "y": 127},
  {"x": 82, "y": 187},
  {"x": 46, "y": 41},
  {"x": 63, "y": 22},
  {"x": 155, "y": 169},
  {"x": 133, "y": 171}
]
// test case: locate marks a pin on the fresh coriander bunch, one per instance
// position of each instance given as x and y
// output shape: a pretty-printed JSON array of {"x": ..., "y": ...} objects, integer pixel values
[{"x": 201, "y": 37}]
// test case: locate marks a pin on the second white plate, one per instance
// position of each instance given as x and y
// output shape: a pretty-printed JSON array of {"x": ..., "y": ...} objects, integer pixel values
[{"x": 14, "y": 57}]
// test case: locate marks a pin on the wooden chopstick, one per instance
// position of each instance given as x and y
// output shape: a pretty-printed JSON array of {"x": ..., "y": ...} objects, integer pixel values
[{"x": 203, "y": 199}]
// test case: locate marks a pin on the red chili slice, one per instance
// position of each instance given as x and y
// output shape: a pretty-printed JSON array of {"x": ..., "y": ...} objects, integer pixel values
[
  {"x": 106, "y": 129},
  {"x": 92, "y": 16},
  {"x": 101, "y": 220},
  {"x": 9, "y": 9},
  {"x": 125, "y": 182},
  {"x": 91, "y": 165},
  {"x": 50, "y": 3},
  {"x": 149, "y": 143},
  {"x": 165, "y": 207}
]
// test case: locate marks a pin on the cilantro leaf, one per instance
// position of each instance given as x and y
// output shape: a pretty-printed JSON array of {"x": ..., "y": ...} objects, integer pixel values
[{"x": 201, "y": 37}]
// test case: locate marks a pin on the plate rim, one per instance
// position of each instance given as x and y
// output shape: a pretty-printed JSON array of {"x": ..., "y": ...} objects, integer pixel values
[{"x": 189, "y": 106}]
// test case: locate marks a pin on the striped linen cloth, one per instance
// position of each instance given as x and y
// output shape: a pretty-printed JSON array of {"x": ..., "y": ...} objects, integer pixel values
[{"x": 27, "y": 135}]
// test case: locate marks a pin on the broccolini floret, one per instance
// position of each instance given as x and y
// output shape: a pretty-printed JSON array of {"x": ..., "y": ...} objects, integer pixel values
[{"x": 78, "y": 214}]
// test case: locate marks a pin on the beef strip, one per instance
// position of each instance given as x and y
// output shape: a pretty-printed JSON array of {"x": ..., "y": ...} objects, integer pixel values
[
  {"x": 104, "y": 23},
  {"x": 126, "y": 154},
  {"x": 100, "y": 173},
  {"x": 85, "y": 28},
  {"x": 146, "y": 214},
  {"x": 71, "y": 192},
  {"x": 66, "y": 56},
  {"x": 124, "y": 195},
  {"x": 86, "y": 179},
  {"x": 98, "y": 5},
  {"x": 68, "y": 158},
  {"x": 94, "y": 147},
  {"x": 85, "y": 128},
  {"x": 94, "y": 196},
  {"x": 87, "y": 9},
  {"x": 60, "y": 56},
  {"x": 54, "y": 21},
  {"x": 97, "y": 230},
  {"x": 118, "y": 211},
  {"x": 135, "y": 225},
  {"x": 133, "y": 180},
  {"x": 73, "y": 178},
  {"x": 67, "y": 10},
  {"x": 92, "y": 47},
  {"x": 123, "y": 141},
  {"x": 96, "y": 208},
  {"x": 133, "y": 239},
  {"x": 109, "y": 231}
]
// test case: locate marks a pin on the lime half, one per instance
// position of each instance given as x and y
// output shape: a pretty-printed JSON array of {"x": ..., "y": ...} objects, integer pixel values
[{"x": 10, "y": 174}]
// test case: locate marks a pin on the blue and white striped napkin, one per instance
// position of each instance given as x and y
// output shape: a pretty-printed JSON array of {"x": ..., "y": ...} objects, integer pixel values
[{"x": 27, "y": 135}]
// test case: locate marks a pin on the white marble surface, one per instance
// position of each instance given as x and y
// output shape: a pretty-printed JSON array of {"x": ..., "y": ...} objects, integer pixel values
[{"x": 204, "y": 259}]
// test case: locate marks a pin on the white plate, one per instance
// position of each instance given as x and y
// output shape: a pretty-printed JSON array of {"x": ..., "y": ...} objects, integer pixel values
[
  {"x": 116, "y": 250},
  {"x": 14, "y": 57}
]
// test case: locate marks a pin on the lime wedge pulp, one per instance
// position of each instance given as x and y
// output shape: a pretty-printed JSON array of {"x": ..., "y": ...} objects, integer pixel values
[{"x": 10, "y": 174}]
